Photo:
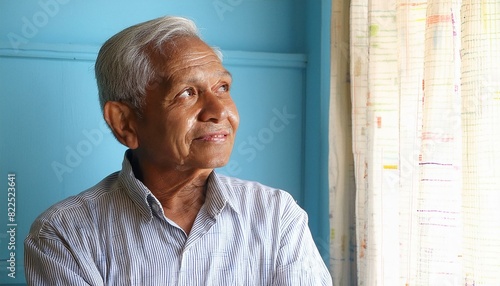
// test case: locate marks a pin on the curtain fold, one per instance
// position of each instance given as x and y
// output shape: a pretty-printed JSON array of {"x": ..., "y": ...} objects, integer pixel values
[
  {"x": 481, "y": 154},
  {"x": 423, "y": 92},
  {"x": 341, "y": 164}
]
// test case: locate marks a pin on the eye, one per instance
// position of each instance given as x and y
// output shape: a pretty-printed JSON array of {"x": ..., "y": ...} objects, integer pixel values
[
  {"x": 186, "y": 93},
  {"x": 223, "y": 88}
]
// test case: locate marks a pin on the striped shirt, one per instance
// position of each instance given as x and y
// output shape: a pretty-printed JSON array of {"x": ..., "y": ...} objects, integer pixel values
[{"x": 116, "y": 234}]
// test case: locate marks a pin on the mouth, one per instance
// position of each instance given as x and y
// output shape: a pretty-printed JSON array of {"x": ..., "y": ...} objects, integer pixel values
[{"x": 214, "y": 137}]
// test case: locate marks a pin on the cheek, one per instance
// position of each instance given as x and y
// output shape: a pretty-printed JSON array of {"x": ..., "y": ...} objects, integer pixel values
[
  {"x": 234, "y": 118},
  {"x": 168, "y": 137},
  {"x": 178, "y": 133}
]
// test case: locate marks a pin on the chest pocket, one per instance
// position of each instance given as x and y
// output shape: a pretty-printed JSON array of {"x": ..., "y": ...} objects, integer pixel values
[{"x": 240, "y": 273}]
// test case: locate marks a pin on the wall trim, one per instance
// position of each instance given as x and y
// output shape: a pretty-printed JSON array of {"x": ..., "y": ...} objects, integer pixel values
[{"x": 89, "y": 53}]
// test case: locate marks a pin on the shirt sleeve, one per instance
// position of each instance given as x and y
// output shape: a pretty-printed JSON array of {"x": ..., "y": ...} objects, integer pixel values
[
  {"x": 299, "y": 261},
  {"x": 50, "y": 261}
]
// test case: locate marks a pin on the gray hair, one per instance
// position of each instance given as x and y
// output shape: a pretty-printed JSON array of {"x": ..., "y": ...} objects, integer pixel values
[{"x": 124, "y": 68}]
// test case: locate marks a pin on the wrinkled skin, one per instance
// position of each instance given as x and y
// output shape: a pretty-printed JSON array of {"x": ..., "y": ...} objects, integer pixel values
[
  {"x": 185, "y": 130},
  {"x": 190, "y": 120}
]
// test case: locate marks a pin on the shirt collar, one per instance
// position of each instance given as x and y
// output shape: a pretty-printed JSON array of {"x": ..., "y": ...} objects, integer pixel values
[
  {"x": 135, "y": 189},
  {"x": 218, "y": 193}
]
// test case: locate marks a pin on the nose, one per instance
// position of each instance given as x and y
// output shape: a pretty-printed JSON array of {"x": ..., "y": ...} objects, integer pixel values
[{"x": 213, "y": 108}]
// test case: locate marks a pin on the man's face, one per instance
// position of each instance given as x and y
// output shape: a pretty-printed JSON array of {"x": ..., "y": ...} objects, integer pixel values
[{"x": 189, "y": 120}]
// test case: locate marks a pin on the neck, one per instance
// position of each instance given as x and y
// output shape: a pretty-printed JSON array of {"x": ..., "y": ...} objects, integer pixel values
[{"x": 181, "y": 193}]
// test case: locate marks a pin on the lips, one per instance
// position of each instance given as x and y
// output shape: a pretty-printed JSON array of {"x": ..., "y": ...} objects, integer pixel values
[{"x": 214, "y": 136}]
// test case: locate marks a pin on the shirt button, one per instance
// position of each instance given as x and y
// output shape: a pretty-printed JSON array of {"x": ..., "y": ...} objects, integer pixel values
[{"x": 156, "y": 208}]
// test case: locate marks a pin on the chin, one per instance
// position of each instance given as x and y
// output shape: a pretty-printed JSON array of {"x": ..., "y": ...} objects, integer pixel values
[
  {"x": 210, "y": 161},
  {"x": 217, "y": 163}
]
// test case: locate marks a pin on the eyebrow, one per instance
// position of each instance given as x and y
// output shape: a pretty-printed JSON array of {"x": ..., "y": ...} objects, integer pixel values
[
  {"x": 220, "y": 73},
  {"x": 224, "y": 73}
]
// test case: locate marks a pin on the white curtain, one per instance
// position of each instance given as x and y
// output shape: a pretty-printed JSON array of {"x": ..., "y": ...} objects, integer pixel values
[{"x": 414, "y": 106}]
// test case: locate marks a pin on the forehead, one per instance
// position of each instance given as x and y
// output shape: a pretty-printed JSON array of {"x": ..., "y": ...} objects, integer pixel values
[{"x": 185, "y": 54}]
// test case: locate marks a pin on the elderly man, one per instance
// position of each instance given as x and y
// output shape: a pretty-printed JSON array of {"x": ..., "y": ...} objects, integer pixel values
[{"x": 167, "y": 218}]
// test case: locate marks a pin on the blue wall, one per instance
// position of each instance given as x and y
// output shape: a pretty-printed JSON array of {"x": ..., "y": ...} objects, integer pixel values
[{"x": 55, "y": 141}]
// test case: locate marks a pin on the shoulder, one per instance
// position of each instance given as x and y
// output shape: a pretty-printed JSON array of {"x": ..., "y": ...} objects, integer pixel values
[
  {"x": 78, "y": 209},
  {"x": 252, "y": 196},
  {"x": 253, "y": 189}
]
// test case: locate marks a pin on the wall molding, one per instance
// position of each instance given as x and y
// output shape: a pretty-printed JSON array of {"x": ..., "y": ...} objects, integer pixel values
[{"x": 72, "y": 52}]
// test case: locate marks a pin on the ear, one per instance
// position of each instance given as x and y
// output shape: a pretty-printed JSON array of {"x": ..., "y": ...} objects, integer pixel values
[{"x": 121, "y": 119}]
